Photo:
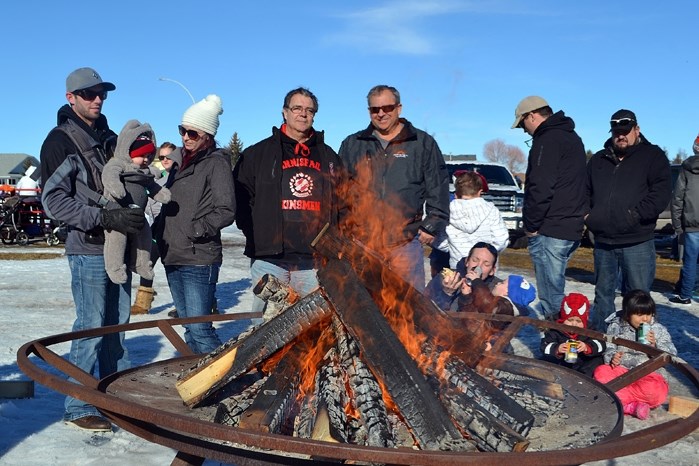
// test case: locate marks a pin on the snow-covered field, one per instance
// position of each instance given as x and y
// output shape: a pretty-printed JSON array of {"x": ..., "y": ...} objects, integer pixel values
[{"x": 35, "y": 301}]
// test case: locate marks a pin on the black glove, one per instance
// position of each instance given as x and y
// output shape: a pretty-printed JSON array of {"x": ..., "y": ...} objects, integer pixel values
[{"x": 125, "y": 220}]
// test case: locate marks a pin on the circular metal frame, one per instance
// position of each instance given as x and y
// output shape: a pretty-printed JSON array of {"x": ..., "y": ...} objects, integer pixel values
[{"x": 203, "y": 439}]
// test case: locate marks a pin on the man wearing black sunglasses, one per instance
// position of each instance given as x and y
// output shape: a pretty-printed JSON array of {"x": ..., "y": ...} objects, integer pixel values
[
  {"x": 399, "y": 190},
  {"x": 72, "y": 158},
  {"x": 554, "y": 196},
  {"x": 629, "y": 184}
]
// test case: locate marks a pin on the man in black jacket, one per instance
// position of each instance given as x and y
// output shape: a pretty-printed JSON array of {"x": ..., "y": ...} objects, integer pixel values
[
  {"x": 399, "y": 186},
  {"x": 554, "y": 196},
  {"x": 629, "y": 185},
  {"x": 285, "y": 190}
]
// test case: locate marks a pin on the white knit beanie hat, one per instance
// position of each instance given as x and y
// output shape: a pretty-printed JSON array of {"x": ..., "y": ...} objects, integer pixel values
[{"x": 204, "y": 114}]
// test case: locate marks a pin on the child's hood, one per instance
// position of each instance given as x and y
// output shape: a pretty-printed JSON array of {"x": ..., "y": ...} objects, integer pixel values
[{"x": 131, "y": 130}]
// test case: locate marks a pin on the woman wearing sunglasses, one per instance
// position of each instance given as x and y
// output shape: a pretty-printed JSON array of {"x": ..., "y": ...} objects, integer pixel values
[{"x": 188, "y": 229}]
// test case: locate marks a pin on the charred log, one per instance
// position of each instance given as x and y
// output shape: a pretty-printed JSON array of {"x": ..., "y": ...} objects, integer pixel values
[
  {"x": 231, "y": 408},
  {"x": 483, "y": 394},
  {"x": 275, "y": 401},
  {"x": 388, "y": 359},
  {"x": 489, "y": 433},
  {"x": 235, "y": 358}
]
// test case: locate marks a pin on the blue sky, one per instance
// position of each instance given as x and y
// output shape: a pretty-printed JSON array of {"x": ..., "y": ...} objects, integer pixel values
[{"x": 461, "y": 66}]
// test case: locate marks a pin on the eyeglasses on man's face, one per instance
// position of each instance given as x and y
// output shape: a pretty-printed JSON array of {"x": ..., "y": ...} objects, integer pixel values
[
  {"x": 384, "y": 108},
  {"x": 622, "y": 122},
  {"x": 191, "y": 133},
  {"x": 297, "y": 110},
  {"x": 90, "y": 95}
]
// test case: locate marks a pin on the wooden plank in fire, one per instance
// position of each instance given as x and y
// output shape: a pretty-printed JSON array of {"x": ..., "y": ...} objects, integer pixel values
[
  {"x": 237, "y": 357},
  {"x": 274, "y": 403},
  {"x": 388, "y": 359}
]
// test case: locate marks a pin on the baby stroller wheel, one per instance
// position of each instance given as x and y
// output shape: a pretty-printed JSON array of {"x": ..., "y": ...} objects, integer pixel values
[
  {"x": 52, "y": 240},
  {"x": 22, "y": 238},
  {"x": 7, "y": 234}
]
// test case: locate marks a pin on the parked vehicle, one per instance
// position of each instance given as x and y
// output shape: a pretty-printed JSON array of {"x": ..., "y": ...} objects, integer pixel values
[{"x": 504, "y": 191}]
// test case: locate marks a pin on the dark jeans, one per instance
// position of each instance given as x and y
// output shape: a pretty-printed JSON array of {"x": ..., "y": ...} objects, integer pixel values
[{"x": 637, "y": 264}]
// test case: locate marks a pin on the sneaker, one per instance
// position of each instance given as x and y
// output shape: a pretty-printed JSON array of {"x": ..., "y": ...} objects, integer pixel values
[
  {"x": 680, "y": 300},
  {"x": 173, "y": 314},
  {"x": 642, "y": 410},
  {"x": 92, "y": 423},
  {"x": 630, "y": 408}
]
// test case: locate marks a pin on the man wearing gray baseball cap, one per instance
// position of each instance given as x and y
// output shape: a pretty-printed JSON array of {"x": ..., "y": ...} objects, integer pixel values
[
  {"x": 72, "y": 157},
  {"x": 554, "y": 196}
]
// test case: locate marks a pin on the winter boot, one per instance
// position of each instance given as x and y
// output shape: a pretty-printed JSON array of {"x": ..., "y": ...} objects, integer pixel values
[{"x": 144, "y": 299}]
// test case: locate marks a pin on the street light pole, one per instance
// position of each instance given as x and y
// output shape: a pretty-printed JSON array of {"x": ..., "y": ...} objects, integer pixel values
[{"x": 181, "y": 85}]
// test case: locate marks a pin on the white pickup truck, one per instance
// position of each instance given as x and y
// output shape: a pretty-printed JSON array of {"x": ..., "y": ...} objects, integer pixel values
[{"x": 503, "y": 190}]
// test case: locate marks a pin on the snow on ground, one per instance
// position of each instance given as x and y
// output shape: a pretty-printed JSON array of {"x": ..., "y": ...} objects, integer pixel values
[{"x": 35, "y": 302}]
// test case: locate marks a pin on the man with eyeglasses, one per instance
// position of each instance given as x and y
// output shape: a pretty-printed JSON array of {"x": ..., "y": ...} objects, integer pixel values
[
  {"x": 72, "y": 158},
  {"x": 554, "y": 196},
  {"x": 629, "y": 184},
  {"x": 286, "y": 192},
  {"x": 399, "y": 186}
]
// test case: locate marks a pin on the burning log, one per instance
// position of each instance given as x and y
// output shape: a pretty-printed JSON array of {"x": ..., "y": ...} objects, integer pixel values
[
  {"x": 484, "y": 395},
  {"x": 427, "y": 317},
  {"x": 236, "y": 357},
  {"x": 365, "y": 390},
  {"x": 278, "y": 295},
  {"x": 388, "y": 359}
]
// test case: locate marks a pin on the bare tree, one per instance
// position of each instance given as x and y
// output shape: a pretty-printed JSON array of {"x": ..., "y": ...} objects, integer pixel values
[
  {"x": 510, "y": 156},
  {"x": 681, "y": 155}
]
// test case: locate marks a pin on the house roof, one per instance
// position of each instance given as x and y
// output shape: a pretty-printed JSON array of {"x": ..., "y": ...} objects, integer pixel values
[{"x": 13, "y": 164}]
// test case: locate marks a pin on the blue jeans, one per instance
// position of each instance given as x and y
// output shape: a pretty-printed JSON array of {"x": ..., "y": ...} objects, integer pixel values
[
  {"x": 192, "y": 288},
  {"x": 637, "y": 265},
  {"x": 302, "y": 281},
  {"x": 98, "y": 302},
  {"x": 550, "y": 258},
  {"x": 408, "y": 261},
  {"x": 689, "y": 264}
]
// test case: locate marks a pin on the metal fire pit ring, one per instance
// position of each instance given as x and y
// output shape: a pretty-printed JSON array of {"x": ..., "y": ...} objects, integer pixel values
[{"x": 196, "y": 439}]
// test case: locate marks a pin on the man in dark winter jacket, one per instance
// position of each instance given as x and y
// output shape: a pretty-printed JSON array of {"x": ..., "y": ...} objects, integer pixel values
[
  {"x": 628, "y": 185},
  {"x": 399, "y": 186},
  {"x": 554, "y": 196},
  {"x": 285, "y": 188},
  {"x": 685, "y": 221},
  {"x": 72, "y": 157}
]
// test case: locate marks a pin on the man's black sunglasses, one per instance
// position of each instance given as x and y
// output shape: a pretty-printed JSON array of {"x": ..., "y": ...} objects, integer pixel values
[
  {"x": 90, "y": 95},
  {"x": 622, "y": 122}
]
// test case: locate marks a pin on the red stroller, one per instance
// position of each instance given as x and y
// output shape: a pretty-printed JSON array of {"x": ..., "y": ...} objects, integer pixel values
[{"x": 22, "y": 219}]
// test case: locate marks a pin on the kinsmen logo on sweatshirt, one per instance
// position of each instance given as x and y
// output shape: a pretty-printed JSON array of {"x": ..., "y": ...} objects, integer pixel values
[{"x": 301, "y": 185}]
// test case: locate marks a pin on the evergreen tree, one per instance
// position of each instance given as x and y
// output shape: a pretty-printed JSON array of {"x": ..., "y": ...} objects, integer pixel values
[{"x": 236, "y": 147}]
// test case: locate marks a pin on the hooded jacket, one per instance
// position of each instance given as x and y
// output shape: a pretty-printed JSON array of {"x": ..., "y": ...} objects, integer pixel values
[
  {"x": 627, "y": 196},
  {"x": 62, "y": 166},
  {"x": 554, "y": 191},
  {"x": 188, "y": 229},
  {"x": 685, "y": 201},
  {"x": 258, "y": 178},
  {"x": 411, "y": 171}
]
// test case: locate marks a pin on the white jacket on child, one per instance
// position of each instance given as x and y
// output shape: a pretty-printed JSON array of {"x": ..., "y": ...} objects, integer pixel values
[{"x": 471, "y": 221}]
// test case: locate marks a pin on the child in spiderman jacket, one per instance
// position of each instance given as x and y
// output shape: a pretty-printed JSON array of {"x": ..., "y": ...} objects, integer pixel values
[{"x": 569, "y": 349}]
